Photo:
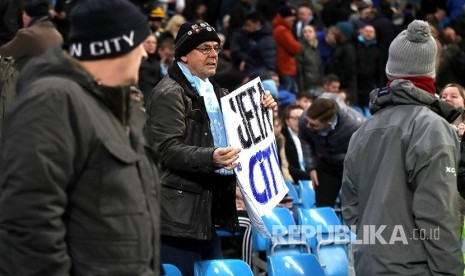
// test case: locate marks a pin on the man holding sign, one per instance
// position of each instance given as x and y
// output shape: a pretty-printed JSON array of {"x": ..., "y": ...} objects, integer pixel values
[{"x": 187, "y": 130}]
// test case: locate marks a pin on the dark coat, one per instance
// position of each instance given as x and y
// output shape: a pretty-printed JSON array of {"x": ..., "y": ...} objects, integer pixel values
[
  {"x": 330, "y": 149},
  {"x": 370, "y": 70},
  {"x": 10, "y": 20},
  {"x": 293, "y": 158},
  {"x": 149, "y": 75},
  {"x": 258, "y": 50},
  {"x": 194, "y": 199},
  {"x": 309, "y": 68},
  {"x": 343, "y": 64},
  {"x": 79, "y": 195}
]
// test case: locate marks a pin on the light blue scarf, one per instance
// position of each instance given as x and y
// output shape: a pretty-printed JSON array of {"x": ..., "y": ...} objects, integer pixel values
[{"x": 205, "y": 90}]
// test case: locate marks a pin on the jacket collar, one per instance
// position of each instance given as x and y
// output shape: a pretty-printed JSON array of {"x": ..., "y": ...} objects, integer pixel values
[
  {"x": 176, "y": 74},
  {"x": 403, "y": 92},
  {"x": 56, "y": 63}
]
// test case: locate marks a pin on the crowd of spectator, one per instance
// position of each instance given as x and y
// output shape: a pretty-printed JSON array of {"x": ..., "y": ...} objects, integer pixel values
[{"x": 319, "y": 59}]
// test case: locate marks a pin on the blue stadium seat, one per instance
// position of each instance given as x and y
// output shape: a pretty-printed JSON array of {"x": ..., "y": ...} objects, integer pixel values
[
  {"x": 225, "y": 267},
  {"x": 307, "y": 194},
  {"x": 283, "y": 242},
  {"x": 171, "y": 270},
  {"x": 294, "y": 194},
  {"x": 326, "y": 239},
  {"x": 295, "y": 265},
  {"x": 280, "y": 222}
]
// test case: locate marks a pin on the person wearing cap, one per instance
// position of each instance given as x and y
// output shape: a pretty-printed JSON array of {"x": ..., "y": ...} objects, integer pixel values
[
  {"x": 38, "y": 34},
  {"x": 157, "y": 21},
  {"x": 399, "y": 191},
  {"x": 187, "y": 131},
  {"x": 79, "y": 190}
]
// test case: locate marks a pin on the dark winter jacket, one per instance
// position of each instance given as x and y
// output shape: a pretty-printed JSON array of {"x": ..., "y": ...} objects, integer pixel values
[
  {"x": 309, "y": 67},
  {"x": 149, "y": 75},
  {"x": 343, "y": 64},
  {"x": 257, "y": 50},
  {"x": 293, "y": 158},
  {"x": 78, "y": 195},
  {"x": 194, "y": 199},
  {"x": 329, "y": 149},
  {"x": 370, "y": 69}
]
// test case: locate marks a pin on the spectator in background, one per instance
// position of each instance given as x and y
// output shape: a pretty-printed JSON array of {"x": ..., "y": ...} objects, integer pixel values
[
  {"x": 309, "y": 68},
  {"x": 290, "y": 130},
  {"x": 451, "y": 59},
  {"x": 288, "y": 47},
  {"x": 324, "y": 133},
  {"x": 331, "y": 90},
  {"x": 157, "y": 22},
  {"x": 61, "y": 19},
  {"x": 38, "y": 35},
  {"x": 304, "y": 100},
  {"x": 409, "y": 154},
  {"x": 281, "y": 144},
  {"x": 254, "y": 49},
  {"x": 165, "y": 53},
  {"x": 384, "y": 27},
  {"x": 186, "y": 129},
  {"x": 331, "y": 83},
  {"x": 150, "y": 70},
  {"x": 10, "y": 22},
  {"x": 370, "y": 70},
  {"x": 79, "y": 190},
  {"x": 172, "y": 26},
  {"x": 227, "y": 75},
  {"x": 335, "y": 11},
  {"x": 326, "y": 45},
  {"x": 305, "y": 17},
  {"x": 343, "y": 61},
  {"x": 238, "y": 11},
  {"x": 285, "y": 97}
]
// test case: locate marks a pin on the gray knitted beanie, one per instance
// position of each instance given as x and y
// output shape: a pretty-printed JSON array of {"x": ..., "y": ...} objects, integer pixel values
[{"x": 412, "y": 53}]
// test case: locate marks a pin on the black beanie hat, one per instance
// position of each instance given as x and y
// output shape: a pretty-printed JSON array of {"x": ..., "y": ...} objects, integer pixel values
[
  {"x": 36, "y": 8},
  {"x": 101, "y": 29},
  {"x": 191, "y": 35}
]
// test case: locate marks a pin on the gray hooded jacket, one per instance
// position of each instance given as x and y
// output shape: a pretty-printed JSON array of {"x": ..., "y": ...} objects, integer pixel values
[{"x": 399, "y": 186}]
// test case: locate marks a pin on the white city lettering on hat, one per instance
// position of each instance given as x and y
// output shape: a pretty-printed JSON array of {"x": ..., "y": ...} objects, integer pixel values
[
  {"x": 108, "y": 46},
  {"x": 76, "y": 49},
  {"x": 129, "y": 39}
]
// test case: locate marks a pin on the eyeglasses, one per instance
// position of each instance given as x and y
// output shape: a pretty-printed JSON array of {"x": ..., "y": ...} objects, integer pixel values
[
  {"x": 207, "y": 50},
  {"x": 294, "y": 117}
]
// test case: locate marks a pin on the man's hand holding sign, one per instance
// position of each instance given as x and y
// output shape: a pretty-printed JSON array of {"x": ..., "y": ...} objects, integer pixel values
[{"x": 248, "y": 117}]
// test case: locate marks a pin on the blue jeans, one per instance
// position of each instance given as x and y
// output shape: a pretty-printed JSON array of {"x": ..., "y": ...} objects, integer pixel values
[{"x": 183, "y": 253}]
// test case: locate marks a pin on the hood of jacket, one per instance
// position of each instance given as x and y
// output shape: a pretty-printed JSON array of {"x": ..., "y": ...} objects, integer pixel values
[
  {"x": 403, "y": 92},
  {"x": 57, "y": 63}
]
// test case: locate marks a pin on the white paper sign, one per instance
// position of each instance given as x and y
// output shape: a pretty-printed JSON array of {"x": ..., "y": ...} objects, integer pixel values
[{"x": 249, "y": 126}]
